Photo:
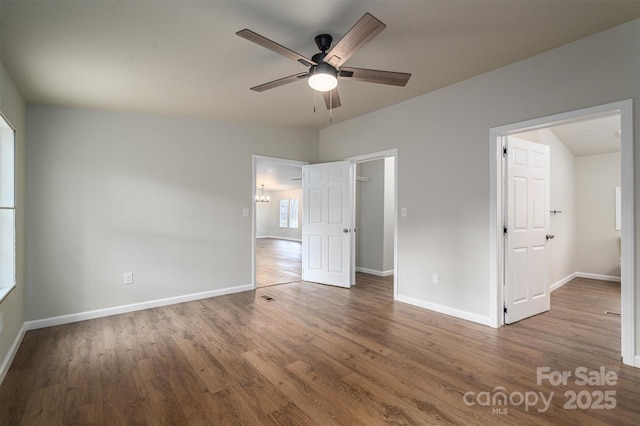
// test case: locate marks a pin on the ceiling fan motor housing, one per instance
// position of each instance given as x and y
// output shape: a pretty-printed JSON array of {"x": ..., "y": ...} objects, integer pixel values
[
  {"x": 322, "y": 67},
  {"x": 323, "y": 41}
]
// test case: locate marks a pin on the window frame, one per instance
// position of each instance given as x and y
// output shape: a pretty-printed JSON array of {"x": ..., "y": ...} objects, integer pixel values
[
  {"x": 6, "y": 289},
  {"x": 285, "y": 212},
  {"x": 297, "y": 212}
]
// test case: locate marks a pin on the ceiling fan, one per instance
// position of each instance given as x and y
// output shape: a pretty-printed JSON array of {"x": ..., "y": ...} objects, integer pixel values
[{"x": 325, "y": 68}]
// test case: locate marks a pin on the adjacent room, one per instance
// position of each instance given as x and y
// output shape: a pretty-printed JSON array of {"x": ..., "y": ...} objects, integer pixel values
[
  {"x": 250, "y": 212},
  {"x": 278, "y": 247}
]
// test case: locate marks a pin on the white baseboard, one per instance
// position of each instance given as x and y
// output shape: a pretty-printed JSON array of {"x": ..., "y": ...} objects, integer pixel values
[
  {"x": 480, "y": 319},
  {"x": 374, "y": 272},
  {"x": 280, "y": 238},
  {"x": 598, "y": 277},
  {"x": 8, "y": 359},
  {"x": 637, "y": 363},
  {"x": 99, "y": 313},
  {"x": 562, "y": 282}
]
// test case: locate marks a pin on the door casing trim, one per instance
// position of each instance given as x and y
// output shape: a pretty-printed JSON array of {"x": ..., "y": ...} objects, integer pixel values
[{"x": 496, "y": 240}]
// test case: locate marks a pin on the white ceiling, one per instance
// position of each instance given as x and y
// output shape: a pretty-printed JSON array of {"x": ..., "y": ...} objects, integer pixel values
[
  {"x": 277, "y": 177},
  {"x": 183, "y": 57},
  {"x": 595, "y": 136}
]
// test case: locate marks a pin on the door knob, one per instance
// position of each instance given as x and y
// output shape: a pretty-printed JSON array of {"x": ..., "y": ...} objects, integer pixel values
[
  {"x": 345, "y": 230},
  {"x": 550, "y": 237}
]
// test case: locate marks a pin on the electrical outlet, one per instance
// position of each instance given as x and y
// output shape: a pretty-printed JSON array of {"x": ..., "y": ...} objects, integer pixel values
[
  {"x": 403, "y": 212},
  {"x": 128, "y": 277},
  {"x": 434, "y": 278},
  {"x": 1, "y": 322}
]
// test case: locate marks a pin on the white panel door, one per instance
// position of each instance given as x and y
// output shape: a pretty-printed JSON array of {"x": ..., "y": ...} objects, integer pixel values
[
  {"x": 327, "y": 217},
  {"x": 528, "y": 225}
]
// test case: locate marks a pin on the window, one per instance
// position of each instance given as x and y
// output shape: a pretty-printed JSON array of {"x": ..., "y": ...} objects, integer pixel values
[
  {"x": 293, "y": 213},
  {"x": 284, "y": 213},
  {"x": 289, "y": 213},
  {"x": 7, "y": 209}
]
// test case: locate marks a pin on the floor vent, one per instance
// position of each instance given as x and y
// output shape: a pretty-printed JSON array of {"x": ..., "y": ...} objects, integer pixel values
[{"x": 268, "y": 298}]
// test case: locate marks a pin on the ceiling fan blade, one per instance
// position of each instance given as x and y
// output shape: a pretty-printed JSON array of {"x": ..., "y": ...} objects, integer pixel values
[
  {"x": 375, "y": 76},
  {"x": 332, "y": 99},
  {"x": 280, "y": 82},
  {"x": 364, "y": 30},
  {"x": 272, "y": 45}
]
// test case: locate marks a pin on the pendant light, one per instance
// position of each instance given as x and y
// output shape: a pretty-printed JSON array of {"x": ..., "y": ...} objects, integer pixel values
[{"x": 262, "y": 198}]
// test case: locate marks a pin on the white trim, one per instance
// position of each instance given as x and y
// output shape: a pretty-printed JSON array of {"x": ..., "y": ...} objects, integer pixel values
[
  {"x": 442, "y": 309},
  {"x": 562, "y": 282},
  {"x": 373, "y": 156},
  {"x": 628, "y": 296},
  {"x": 393, "y": 153},
  {"x": 13, "y": 350},
  {"x": 99, "y": 313},
  {"x": 374, "y": 272},
  {"x": 628, "y": 236},
  {"x": 273, "y": 237},
  {"x": 598, "y": 277},
  {"x": 637, "y": 363}
]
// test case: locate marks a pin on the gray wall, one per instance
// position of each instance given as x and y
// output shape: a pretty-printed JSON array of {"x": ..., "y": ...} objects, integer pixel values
[
  {"x": 13, "y": 307},
  {"x": 268, "y": 216},
  {"x": 598, "y": 242},
  {"x": 444, "y": 150},
  {"x": 374, "y": 217},
  {"x": 370, "y": 216},
  {"x": 162, "y": 197}
]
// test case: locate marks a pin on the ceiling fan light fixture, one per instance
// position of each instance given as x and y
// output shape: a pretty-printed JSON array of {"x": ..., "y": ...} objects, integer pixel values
[{"x": 323, "y": 77}]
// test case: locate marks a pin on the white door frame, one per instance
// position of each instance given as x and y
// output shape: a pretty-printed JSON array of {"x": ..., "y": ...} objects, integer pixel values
[
  {"x": 255, "y": 160},
  {"x": 393, "y": 153},
  {"x": 496, "y": 249}
]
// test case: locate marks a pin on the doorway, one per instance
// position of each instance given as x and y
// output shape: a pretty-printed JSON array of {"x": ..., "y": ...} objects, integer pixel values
[
  {"x": 375, "y": 217},
  {"x": 277, "y": 210},
  {"x": 498, "y": 139}
]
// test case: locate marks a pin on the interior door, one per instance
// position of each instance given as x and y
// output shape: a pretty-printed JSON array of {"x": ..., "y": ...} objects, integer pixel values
[
  {"x": 327, "y": 223},
  {"x": 527, "y": 230}
]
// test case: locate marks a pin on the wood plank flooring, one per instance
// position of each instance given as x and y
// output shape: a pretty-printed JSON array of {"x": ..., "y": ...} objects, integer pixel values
[
  {"x": 277, "y": 261},
  {"x": 319, "y": 355}
]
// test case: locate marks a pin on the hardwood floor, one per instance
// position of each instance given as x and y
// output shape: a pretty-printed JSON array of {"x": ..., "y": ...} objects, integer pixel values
[
  {"x": 277, "y": 261},
  {"x": 319, "y": 355}
]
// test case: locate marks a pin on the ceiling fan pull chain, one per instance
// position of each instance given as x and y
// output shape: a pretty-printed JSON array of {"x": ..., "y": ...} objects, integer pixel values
[{"x": 314, "y": 101}]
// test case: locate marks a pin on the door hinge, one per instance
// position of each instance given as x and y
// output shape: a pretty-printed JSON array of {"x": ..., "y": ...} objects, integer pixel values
[
  {"x": 504, "y": 151},
  {"x": 505, "y": 309},
  {"x": 504, "y": 229}
]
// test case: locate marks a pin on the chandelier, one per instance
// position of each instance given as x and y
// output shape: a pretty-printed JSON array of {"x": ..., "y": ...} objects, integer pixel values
[{"x": 262, "y": 198}]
